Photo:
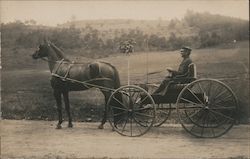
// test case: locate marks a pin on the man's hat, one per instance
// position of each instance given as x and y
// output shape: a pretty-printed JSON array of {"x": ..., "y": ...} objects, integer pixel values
[{"x": 186, "y": 48}]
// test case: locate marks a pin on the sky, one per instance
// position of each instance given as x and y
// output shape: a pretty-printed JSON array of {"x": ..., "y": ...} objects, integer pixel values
[{"x": 51, "y": 13}]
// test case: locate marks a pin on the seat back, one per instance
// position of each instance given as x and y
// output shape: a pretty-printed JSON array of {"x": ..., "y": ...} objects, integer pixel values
[
  {"x": 192, "y": 71},
  {"x": 190, "y": 76}
]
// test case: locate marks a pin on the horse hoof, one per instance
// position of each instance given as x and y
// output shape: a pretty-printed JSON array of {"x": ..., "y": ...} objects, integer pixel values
[
  {"x": 70, "y": 125},
  {"x": 58, "y": 127},
  {"x": 100, "y": 127}
]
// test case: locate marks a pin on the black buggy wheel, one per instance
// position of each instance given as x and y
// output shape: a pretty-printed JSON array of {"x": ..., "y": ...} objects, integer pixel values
[
  {"x": 163, "y": 110},
  {"x": 207, "y": 108},
  {"x": 127, "y": 113}
]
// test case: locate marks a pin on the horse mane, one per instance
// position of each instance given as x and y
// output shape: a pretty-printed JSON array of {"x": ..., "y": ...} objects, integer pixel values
[{"x": 59, "y": 52}]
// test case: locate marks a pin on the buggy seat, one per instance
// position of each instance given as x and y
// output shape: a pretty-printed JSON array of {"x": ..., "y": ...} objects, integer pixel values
[{"x": 176, "y": 85}]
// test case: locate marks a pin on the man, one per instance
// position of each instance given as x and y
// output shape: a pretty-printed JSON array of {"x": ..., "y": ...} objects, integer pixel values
[{"x": 181, "y": 73}]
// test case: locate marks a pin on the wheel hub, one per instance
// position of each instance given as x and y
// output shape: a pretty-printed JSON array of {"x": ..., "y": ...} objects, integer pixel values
[{"x": 130, "y": 112}]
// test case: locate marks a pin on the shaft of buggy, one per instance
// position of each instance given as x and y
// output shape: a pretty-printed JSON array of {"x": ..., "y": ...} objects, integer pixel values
[{"x": 87, "y": 83}]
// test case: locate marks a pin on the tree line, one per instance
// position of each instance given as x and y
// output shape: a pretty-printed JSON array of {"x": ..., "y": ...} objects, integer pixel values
[{"x": 207, "y": 30}]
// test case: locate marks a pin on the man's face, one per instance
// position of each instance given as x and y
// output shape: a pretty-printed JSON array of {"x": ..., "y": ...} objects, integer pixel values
[{"x": 184, "y": 53}]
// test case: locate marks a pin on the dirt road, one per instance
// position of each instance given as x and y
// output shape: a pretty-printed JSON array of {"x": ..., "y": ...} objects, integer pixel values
[{"x": 40, "y": 140}]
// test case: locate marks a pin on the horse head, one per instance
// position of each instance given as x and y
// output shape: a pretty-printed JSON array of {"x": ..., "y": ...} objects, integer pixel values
[{"x": 41, "y": 52}]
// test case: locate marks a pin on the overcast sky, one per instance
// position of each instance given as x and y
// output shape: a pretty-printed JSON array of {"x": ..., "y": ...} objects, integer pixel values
[{"x": 56, "y": 12}]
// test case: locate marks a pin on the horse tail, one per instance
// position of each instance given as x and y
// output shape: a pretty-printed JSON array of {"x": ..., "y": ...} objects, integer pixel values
[
  {"x": 116, "y": 78},
  {"x": 118, "y": 95},
  {"x": 94, "y": 71}
]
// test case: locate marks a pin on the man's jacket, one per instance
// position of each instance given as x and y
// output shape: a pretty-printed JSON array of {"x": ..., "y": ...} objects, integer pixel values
[{"x": 183, "y": 68}]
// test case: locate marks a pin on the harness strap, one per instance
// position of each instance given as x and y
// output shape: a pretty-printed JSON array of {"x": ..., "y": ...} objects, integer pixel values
[
  {"x": 67, "y": 73},
  {"x": 60, "y": 62}
]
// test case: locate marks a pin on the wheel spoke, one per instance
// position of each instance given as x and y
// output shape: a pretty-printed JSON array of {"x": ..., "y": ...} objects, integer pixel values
[
  {"x": 138, "y": 127},
  {"x": 218, "y": 107},
  {"x": 190, "y": 101},
  {"x": 199, "y": 118},
  {"x": 195, "y": 113},
  {"x": 143, "y": 99},
  {"x": 201, "y": 89},
  {"x": 117, "y": 114},
  {"x": 218, "y": 122},
  {"x": 213, "y": 131},
  {"x": 131, "y": 129},
  {"x": 209, "y": 88},
  {"x": 137, "y": 96},
  {"x": 119, "y": 120},
  {"x": 195, "y": 95},
  {"x": 132, "y": 96},
  {"x": 143, "y": 108},
  {"x": 119, "y": 102},
  {"x": 118, "y": 108},
  {"x": 215, "y": 112},
  {"x": 224, "y": 99},
  {"x": 141, "y": 114},
  {"x": 220, "y": 94},
  {"x": 129, "y": 92},
  {"x": 125, "y": 124},
  {"x": 133, "y": 93},
  {"x": 215, "y": 92},
  {"x": 203, "y": 123},
  {"x": 208, "y": 118}
]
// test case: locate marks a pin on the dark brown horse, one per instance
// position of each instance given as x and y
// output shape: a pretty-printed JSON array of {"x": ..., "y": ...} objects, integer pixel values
[{"x": 69, "y": 76}]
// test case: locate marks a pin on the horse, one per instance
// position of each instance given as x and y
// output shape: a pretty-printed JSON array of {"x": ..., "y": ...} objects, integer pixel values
[{"x": 69, "y": 76}]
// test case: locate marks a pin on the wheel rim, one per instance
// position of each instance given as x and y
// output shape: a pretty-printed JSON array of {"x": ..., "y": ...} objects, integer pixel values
[
  {"x": 127, "y": 114},
  {"x": 163, "y": 112},
  {"x": 206, "y": 108}
]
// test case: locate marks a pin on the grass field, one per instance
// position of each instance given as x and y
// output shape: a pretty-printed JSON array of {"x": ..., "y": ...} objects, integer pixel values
[{"x": 26, "y": 91}]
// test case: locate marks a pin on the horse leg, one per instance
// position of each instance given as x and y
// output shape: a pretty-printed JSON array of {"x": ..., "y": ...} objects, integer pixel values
[
  {"x": 104, "y": 119},
  {"x": 58, "y": 98},
  {"x": 67, "y": 107}
]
